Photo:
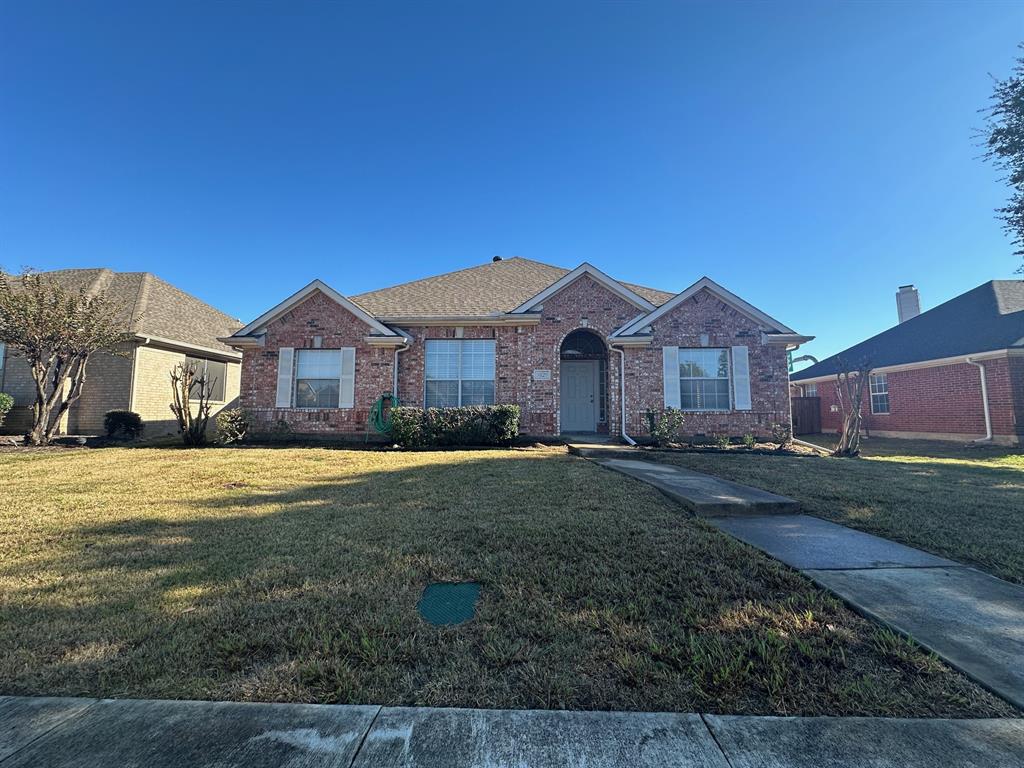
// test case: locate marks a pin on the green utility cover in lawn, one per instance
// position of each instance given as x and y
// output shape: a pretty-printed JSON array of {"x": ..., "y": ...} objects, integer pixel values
[{"x": 447, "y": 604}]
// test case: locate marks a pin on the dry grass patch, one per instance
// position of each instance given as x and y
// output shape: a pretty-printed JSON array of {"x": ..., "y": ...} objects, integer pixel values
[{"x": 293, "y": 575}]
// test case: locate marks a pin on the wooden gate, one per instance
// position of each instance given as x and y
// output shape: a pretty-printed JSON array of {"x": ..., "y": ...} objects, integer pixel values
[{"x": 806, "y": 415}]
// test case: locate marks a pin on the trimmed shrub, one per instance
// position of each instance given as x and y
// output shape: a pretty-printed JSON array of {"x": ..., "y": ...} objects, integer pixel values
[
  {"x": 232, "y": 425},
  {"x": 473, "y": 425},
  {"x": 6, "y": 403},
  {"x": 664, "y": 426},
  {"x": 123, "y": 423}
]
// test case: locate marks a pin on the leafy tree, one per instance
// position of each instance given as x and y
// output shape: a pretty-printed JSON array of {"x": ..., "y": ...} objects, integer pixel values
[
  {"x": 56, "y": 330},
  {"x": 1004, "y": 142}
]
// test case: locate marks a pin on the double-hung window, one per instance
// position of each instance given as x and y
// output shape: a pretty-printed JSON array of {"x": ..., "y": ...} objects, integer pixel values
[
  {"x": 324, "y": 378},
  {"x": 879, "y": 393},
  {"x": 704, "y": 379},
  {"x": 214, "y": 373},
  {"x": 810, "y": 390},
  {"x": 459, "y": 372}
]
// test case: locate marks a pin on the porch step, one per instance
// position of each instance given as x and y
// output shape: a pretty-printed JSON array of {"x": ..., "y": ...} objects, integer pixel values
[{"x": 705, "y": 495}]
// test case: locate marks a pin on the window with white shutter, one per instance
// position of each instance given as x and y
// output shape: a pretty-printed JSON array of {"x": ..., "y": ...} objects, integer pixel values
[{"x": 741, "y": 378}]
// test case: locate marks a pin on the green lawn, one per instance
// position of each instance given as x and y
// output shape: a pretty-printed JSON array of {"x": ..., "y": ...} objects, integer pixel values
[
  {"x": 966, "y": 503},
  {"x": 293, "y": 575}
]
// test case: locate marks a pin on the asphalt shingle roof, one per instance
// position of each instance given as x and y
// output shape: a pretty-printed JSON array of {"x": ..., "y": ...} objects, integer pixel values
[
  {"x": 986, "y": 318},
  {"x": 153, "y": 307},
  {"x": 491, "y": 288}
]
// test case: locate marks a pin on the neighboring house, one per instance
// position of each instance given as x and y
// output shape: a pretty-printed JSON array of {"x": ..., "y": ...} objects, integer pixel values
[
  {"x": 168, "y": 326},
  {"x": 955, "y": 372},
  {"x": 566, "y": 346}
]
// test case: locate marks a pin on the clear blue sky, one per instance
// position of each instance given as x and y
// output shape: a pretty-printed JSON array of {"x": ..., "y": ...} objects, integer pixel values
[{"x": 810, "y": 157}]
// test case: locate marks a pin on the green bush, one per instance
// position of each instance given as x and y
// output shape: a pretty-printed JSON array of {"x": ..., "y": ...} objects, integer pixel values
[
  {"x": 232, "y": 425},
  {"x": 6, "y": 403},
  {"x": 749, "y": 441},
  {"x": 123, "y": 423},
  {"x": 664, "y": 426},
  {"x": 474, "y": 425}
]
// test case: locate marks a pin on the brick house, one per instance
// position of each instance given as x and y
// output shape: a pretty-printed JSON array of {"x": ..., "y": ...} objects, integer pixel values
[
  {"x": 955, "y": 372},
  {"x": 168, "y": 326},
  {"x": 578, "y": 351}
]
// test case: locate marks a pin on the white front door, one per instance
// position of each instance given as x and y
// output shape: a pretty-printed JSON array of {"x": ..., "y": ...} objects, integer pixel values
[{"x": 579, "y": 395}]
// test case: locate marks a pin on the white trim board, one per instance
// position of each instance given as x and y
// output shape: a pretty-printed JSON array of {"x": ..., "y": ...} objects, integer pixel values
[
  {"x": 304, "y": 293},
  {"x": 705, "y": 282},
  {"x": 610, "y": 283}
]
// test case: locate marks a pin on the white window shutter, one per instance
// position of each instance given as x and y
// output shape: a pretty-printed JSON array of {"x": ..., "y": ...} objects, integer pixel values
[
  {"x": 670, "y": 370},
  {"x": 741, "y": 378},
  {"x": 285, "y": 364},
  {"x": 348, "y": 377}
]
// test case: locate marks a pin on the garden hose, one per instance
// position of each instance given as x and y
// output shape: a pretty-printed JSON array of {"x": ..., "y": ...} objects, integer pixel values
[{"x": 380, "y": 420}]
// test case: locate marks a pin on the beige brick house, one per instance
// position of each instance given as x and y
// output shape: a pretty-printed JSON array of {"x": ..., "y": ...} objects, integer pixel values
[
  {"x": 577, "y": 350},
  {"x": 168, "y": 326}
]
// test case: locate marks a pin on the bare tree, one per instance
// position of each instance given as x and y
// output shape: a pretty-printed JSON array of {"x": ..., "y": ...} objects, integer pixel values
[
  {"x": 851, "y": 382},
  {"x": 56, "y": 330},
  {"x": 192, "y": 415}
]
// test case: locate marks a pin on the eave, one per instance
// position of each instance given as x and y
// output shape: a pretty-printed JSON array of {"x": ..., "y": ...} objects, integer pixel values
[{"x": 184, "y": 346}]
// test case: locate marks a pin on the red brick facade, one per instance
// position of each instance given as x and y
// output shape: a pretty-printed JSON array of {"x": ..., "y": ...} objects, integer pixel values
[
  {"x": 942, "y": 402},
  {"x": 519, "y": 352}
]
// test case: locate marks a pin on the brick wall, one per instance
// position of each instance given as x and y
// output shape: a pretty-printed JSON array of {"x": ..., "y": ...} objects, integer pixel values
[
  {"x": 706, "y": 314},
  {"x": 107, "y": 386},
  {"x": 316, "y": 316},
  {"x": 151, "y": 389},
  {"x": 942, "y": 402},
  {"x": 518, "y": 352},
  {"x": 16, "y": 381},
  {"x": 138, "y": 380}
]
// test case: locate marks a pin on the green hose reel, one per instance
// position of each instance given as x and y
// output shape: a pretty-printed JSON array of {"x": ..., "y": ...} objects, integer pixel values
[{"x": 380, "y": 412}]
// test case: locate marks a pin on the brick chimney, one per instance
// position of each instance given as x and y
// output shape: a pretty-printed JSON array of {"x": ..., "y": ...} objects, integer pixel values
[{"x": 908, "y": 303}]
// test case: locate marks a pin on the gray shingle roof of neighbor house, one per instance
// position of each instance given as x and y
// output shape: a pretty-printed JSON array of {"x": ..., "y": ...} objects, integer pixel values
[
  {"x": 984, "y": 319},
  {"x": 153, "y": 307},
  {"x": 488, "y": 289}
]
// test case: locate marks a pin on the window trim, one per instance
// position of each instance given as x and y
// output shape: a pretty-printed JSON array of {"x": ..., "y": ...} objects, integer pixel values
[
  {"x": 871, "y": 393},
  {"x": 727, "y": 377},
  {"x": 206, "y": 362},
  {"x": 460, "y": 380},
  {"x": 341, "y": 378}
]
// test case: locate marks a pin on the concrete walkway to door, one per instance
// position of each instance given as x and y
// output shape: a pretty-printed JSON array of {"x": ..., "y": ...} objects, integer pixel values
[{"x": 973, "y": 621}]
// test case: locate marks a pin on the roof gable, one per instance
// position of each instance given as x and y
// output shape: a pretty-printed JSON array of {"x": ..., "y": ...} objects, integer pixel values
[
  {"x": 984, "y": 319},
  {"x": 317, "y": 285},
  {"x": 594, "y": 273},
  {"x": 705, "y": 283}
]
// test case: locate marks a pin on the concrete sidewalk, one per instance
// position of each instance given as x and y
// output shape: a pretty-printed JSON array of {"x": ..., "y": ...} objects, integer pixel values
[
  {"x": 704, "y": 495},
  {"x": 90, "y": 733},
  {"x": 973, "y": 621}
]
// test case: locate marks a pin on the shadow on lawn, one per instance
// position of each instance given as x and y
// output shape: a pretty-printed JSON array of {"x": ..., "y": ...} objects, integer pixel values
[{"x": 597, "y": 593}]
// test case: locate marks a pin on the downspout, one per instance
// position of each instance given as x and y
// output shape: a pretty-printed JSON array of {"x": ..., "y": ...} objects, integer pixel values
[
  {"x": 622, "y": 396},
  {"x": 984, "y": 401},
  {"x": 394, "y": 382}
]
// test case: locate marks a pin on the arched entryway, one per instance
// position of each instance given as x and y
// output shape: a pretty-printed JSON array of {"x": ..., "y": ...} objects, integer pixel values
[{"x": 583, "y": 382}]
